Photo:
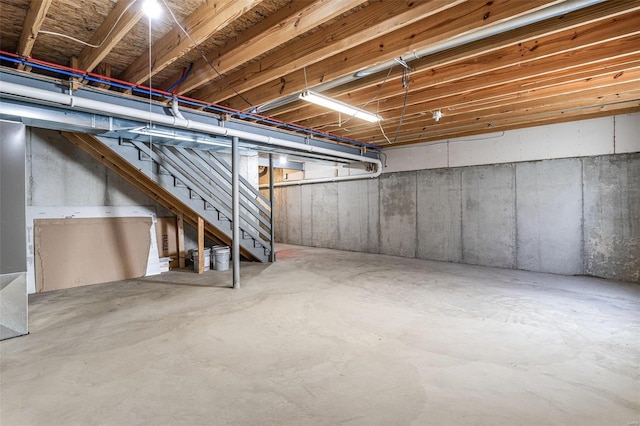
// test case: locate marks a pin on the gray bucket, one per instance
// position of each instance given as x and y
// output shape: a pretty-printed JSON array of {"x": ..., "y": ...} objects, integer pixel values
[
  {"x": 213, "y": 256},
  {"x": 206, "y": 257},
  {"x": 221, "y": 255}
]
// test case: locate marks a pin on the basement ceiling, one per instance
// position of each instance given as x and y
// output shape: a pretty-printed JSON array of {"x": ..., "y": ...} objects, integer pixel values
[{"x": 478, "y": 66}]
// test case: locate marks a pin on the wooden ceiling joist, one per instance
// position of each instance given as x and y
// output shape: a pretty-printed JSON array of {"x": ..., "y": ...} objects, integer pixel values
[
  {"x": 32, "y": 22},
  {"x": 540, "y": 33},
  {"x": 503, "y": 93},
  {"x": 313, "y": 15},
  {"x": 116, "y": 25},
  {"x": 516, "y": 60},
  {"x": 243, "y": 38},
  {"x": 374, "y": 21},
  {"x": 206, "y": 20},
  {"x": 565, "y": 65},
  {"x": 417, "y": 125},
  {"x": 522, "y": 122},
  {"x": 588, "y": 98},
  {"x": 461, "y": 19}
]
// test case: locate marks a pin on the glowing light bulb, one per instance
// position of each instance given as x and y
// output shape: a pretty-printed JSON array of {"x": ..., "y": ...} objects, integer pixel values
[
  {"x": 282, "y": 160},
  {"x": 152, "y": 8}
]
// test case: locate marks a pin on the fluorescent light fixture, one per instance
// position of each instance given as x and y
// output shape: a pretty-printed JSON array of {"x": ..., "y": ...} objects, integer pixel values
[
  {"x": 341, "y": 107},
  {"x": 151, "y": 8}
]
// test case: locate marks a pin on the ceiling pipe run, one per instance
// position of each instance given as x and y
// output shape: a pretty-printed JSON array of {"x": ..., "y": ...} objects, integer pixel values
[
  {"x": 41, "y": 96},
  {"x": 501, "y": 27}
]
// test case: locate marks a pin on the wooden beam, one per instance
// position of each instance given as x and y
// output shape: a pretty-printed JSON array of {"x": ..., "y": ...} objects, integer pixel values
[
  {"x": 75, "y": 81},
  {"x": 527, "y": 121},
  {"x": 507, "y": 95},
  {"x": 181, "y": 261},
  {"x": 32, "y": 22},
  {"x": 201, "y": 258},
  {"x": 289, "y": 27},
  {"x": 375, "y": 20},
  {"x": 538, "y": 32},
  {"x": 552, "y": 54},
  {"x": 103, "y": 69},
  {"x": 246, "y": 36},
  {"x": 624, "y": 108},
  {"x": 206, "y": 20},
  {"x": 456, "y": 21},
  {"x": 585, "y": 62},
  {"x": 122, "y": 18},
  {"x": 488, "y": 116}
]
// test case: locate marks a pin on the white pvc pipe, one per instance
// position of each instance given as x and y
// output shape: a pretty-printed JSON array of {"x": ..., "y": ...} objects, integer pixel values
[
  {"x": 320, "y": 180},
  {"x": 94, "y": 106}
]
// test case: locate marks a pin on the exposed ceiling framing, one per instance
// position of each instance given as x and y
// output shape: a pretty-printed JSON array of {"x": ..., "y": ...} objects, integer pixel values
[{"x": 579, "y": 64}]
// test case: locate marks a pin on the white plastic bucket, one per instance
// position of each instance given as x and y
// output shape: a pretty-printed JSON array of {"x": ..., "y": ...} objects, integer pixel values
[
  {"x": 213, "y": 256},
  {"x": 206, "y": 257},
  {"x": 221, "y": 255}
]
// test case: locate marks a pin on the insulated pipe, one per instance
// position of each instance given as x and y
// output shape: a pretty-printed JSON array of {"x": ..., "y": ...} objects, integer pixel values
[
  {"x": 235, "y": 201},
  {"x": 94, "y": 106}
]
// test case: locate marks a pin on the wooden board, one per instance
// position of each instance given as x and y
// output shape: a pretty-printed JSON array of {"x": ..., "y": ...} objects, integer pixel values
[
  {"x": 76, "y": 252},
  {"x": 167, "y": 237}
]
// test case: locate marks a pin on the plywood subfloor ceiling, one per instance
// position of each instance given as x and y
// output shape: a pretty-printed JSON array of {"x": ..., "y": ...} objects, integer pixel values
[{"x": 579, "y": 64}]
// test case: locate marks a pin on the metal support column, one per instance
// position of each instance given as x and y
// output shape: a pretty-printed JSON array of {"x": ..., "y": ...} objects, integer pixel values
[
  {"x": 272, "y": 255},
  {"x": 235, "y": 195}
]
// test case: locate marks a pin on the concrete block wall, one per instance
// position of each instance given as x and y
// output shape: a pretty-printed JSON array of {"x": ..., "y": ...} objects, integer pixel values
[{"x": 568, "y": 216}]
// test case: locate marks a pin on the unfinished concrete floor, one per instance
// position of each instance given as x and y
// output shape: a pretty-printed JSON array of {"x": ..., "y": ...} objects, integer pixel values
[{"x": 330, "y": 337}]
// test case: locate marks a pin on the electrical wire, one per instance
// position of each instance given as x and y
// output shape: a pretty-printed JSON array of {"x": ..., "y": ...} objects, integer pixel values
[
  {"x": 185, "y": 74},
  {"x": 384, "y": 134},
  {"x": 94, "y": 46},
  {"x": 197, "y": 47},
  {"x": 405, "y": 83}
]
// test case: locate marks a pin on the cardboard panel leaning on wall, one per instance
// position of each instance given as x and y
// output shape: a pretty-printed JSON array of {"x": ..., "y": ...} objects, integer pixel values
[
  {"x": 549, "y": 216},
  {"x": 439, "y": 224},
  {"x": 488, "y": 216},
  {"x": 76, "y": 252},
  {"x": 398, "y": 214},
  {"x": 359, "y": 215},
  {"x": 612, "y": 216}
]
